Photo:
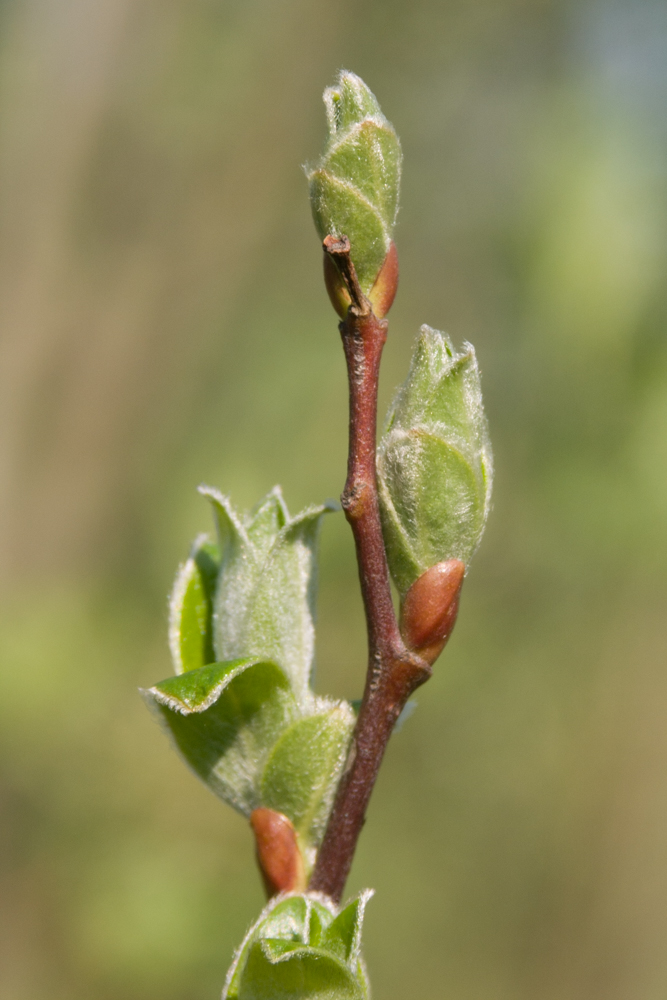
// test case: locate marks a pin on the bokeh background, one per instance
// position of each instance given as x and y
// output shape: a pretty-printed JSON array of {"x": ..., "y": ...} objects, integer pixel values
[{"x": 164, "y": 323}]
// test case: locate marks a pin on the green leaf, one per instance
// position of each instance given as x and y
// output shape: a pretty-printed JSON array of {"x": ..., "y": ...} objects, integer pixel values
[
  {"x": 224, "y": 719},
  {"x": 434, "y": 462},
  {"x": 354, "y": 187},
  {"x": 303, "y": 769},
  {"x": 301, "y": 947},
  {"x": 191, "y": 607},
  {"x": 265, "y": 597},
  {"x": 342, "y": 936},
  {"x": 298, "y": 974},
  {"x": 289, "y": 920}
]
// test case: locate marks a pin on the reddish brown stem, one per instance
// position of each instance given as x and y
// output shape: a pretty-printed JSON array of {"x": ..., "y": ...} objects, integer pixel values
[{"x": 393, "y": 671}]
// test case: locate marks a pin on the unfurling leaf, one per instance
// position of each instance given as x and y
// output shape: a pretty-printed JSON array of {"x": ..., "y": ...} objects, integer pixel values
[
  {"x": 241, "y": 711},
  {"x": 240, "y": 728},
  {"x": 302, "y": 948},
  {"x": 435, "y": 466},
  {"x": 224, "y": 719},
  {"x": 354, "y": 188},
  {"x": 264, "y": 603}
]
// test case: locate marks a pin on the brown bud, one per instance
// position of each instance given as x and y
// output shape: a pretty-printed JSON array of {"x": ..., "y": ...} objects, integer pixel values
[
  {"x": 430, "y": 607},
  {"x": 278, "y": 854}
]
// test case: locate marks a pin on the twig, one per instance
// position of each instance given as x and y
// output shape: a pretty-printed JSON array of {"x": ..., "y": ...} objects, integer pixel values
[{"x": 393, "y": 671}]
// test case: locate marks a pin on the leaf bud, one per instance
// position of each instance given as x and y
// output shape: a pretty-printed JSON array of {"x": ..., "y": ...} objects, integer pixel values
[
  {"x": 430, "y": 607},
  {"x": 278, "y": 854},
  {"x": 354, "y": 191},
  {"x": 435, "y": 466}
]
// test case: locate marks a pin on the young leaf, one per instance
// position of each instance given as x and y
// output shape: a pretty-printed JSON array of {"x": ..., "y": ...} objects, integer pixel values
[
  {"x": 224, "y": 719},
  {"x": 289, "y": 919},
  {"x": 265, "y": 597},
  {"x": 301, "y": 947},
  {"x": 434, "y": 462},
  {"x": 240, "y": 710},
  {"x": 239, "y": 727},
  {"x": 342, "y": 936},
  {"x": 354, "y": 188},
  {"x": 191, "y": 607},
  {"x": 276, "y": 972}
]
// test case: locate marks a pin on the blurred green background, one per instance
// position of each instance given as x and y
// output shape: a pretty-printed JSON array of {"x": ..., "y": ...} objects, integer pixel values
[{"x": 165, "y": 323}]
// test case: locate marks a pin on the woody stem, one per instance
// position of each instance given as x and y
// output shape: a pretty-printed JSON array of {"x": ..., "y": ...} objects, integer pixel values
[{"x": 393, "y": 671}]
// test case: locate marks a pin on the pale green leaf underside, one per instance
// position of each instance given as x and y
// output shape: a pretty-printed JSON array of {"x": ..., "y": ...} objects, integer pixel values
[
  {"x": 264, "y": 603},
  {"x": 443, "y": 398},
  {"x": 280, "y": 613},
  {"x": 300, "y": 948},
  {"x": 342, "y": 937},
  {"x": 442, "y": 392},
  {"x": 265, "y": 521}
]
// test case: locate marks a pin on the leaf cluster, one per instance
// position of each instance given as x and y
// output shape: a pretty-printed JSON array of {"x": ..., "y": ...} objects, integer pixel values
[{"x": 241, "y": 710}]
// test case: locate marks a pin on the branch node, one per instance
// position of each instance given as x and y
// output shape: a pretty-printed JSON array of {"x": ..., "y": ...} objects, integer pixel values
[{"x": 353, "y": 501}]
